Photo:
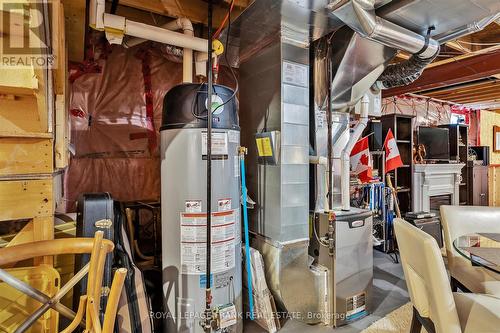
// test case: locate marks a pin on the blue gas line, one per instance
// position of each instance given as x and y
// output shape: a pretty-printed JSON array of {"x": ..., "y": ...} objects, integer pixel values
[{"x": 245, "y": 227}]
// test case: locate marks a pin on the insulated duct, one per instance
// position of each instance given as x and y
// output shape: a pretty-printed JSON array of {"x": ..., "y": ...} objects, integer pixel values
[{"x": 346, "y": 153}]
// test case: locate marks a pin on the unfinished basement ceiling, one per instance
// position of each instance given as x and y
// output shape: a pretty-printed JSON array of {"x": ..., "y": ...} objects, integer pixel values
[
  {"x": 154, "y": 12},
  {"x": 467, "y": 71}
]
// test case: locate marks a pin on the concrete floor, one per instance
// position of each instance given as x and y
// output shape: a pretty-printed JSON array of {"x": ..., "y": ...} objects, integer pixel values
[{"x": 389, "y": 293}]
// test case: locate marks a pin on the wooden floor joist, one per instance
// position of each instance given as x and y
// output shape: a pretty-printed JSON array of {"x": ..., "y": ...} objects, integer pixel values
[{"x": 460, "y": 71}]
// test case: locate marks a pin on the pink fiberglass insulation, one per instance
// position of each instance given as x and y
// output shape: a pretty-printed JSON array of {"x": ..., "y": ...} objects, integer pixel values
[{"x": 114, "y": 137}]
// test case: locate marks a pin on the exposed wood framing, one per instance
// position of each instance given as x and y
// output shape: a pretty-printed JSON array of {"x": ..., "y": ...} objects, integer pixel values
[
  {"x": 75, "y": 27},
  {"x": 464, "y": 70},
  {"x": 59, "y": 47},
  {"x": 491, "y": 49},
  {"x": 195, "y": 10},
  {"x": 61, "y": 133}
]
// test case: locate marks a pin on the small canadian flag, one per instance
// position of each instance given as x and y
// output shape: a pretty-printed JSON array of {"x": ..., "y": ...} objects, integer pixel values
[
  {"x": 361, "y": 161},
  {"x": 392, "y": 156}
]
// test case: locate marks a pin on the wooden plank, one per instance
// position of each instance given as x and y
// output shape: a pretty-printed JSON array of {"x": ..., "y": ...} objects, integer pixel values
[
  {"x": 26, "y": 235},
  {"x": 43, "y": 229},
  {"x": 457, "y": 46},
  {"x": 75, "y": 28},
  {"x": 195, "y": 10},
  {"x": 478, "y": 97},
  {"x": 25, "y": 199},
  {"x": 26, "y": 135},
  {"x": 451, "y": 92},
  {"x": 464, "y": 56},
  {"x": 457, "y": 95},
  {"x": 18, "y": 81},
  {"x": 61, "y": 133},
  {"x": 19, "y": 116},
  {"x": 25, "y": 156},
  {"x": 59, "y": 47},
  {"x": 465, "y": 70}
]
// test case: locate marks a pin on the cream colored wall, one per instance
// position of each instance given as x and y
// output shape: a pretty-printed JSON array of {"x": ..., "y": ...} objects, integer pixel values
[{"x": 488, "y": 119}]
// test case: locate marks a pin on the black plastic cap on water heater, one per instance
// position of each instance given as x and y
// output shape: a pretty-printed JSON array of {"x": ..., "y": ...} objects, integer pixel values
[{"x": 185, "y": 106}]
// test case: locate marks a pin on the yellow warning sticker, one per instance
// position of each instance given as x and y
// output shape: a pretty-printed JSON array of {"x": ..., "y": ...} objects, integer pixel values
[{"x": 264, "y": 147}]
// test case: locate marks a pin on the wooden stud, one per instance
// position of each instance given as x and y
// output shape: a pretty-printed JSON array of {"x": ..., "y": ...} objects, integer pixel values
[
  {"x": 75, "y": 28},
  {"x": 59, "y": 47},
  {"x": 61, "y": 133}
]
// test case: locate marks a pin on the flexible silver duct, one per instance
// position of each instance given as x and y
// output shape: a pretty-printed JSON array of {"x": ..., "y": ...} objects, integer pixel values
[{"x": 403, "y": 73}]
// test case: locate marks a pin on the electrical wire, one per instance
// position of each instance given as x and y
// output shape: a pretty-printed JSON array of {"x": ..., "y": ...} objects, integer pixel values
[
  {"x": 316, "y": 233},
  {"x": 195, "y": 103},
  {"x": 228, "y": 64},
  {"x": 228, "y": 16}
]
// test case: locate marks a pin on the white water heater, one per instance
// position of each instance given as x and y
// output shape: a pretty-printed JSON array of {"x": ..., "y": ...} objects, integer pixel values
[{"x": 184, "y": 206}]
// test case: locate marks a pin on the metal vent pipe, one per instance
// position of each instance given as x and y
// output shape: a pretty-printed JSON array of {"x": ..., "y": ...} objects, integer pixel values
[
  {"x": 369, "y": 25},
  {"x": 346, "y": 154},
  {"x": 360, "y": 16}
]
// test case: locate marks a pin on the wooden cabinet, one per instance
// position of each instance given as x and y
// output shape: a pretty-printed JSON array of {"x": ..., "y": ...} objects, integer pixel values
[
  {"x": 478, "y": 179},
  {"x": 402, "y": 128}
]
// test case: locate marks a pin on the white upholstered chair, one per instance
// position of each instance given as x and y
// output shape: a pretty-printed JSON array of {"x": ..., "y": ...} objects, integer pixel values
[
  {"x": 462, "y": 220},
  {"x": 434, "y": 305}
]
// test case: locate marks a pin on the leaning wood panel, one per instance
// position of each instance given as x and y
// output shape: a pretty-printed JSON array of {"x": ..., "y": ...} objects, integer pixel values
[
  {"x": 25, "y": 156},
  {"x": 25, "y": 199}
]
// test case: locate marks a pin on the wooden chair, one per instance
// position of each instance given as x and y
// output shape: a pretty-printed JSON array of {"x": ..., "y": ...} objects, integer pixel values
[{"x": 87, "y": 315}]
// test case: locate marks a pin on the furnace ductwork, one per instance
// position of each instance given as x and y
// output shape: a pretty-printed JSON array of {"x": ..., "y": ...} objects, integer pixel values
[
  {"x": 467, "y": 29},
  {"x": 403, "y": 73},
  {"x": 360, "y": 16}
]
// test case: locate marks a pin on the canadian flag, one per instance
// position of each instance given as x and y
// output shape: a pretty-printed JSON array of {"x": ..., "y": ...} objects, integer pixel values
[
  {"x": 392, "y": 156},
  {"x": 361, "y": 161}
]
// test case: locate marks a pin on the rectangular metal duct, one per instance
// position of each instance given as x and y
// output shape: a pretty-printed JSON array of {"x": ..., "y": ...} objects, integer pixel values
[{"x": 273, "y": 56}]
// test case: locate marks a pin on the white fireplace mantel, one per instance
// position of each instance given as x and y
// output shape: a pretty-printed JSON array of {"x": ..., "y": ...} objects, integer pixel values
[{"x": 435, "y": 179}]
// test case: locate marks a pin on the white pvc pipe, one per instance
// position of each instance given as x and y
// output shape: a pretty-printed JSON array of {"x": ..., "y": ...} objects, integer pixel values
[
  {"x": 96, "y": 12},
  {"x": 156, "y": 34},
  {"x": 186, "y": 26},
  {"x": 346, "y": 153}
]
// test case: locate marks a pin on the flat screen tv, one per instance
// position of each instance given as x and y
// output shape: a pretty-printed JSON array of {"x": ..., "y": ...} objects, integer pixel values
[{"x": 436, "y": 142}]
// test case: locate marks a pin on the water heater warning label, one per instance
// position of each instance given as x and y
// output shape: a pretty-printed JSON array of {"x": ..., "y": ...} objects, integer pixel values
[
  {"x": 193, "y": 242},
  {"x": 219, "y": 143}
]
